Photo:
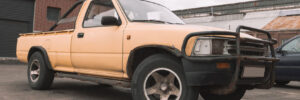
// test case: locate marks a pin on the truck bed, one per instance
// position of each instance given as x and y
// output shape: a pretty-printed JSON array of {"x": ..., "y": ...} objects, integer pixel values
[
  {"x": 47, "y": 32},
  {"x": 56, "y": 43}
]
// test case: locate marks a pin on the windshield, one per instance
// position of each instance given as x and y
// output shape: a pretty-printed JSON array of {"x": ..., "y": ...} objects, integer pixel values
[{"x": 147, "y": 11}]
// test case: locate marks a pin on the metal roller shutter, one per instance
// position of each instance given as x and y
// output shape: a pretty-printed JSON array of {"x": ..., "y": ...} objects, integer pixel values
[
  {"x": 8, "y": 36},
  {"x": 16, "y": 16}
]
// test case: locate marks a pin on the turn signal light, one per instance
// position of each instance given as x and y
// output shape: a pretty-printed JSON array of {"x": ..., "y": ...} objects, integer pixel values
[{"x": 223, "y": 65}]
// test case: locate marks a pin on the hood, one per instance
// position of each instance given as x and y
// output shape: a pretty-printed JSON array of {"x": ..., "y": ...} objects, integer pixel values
[
  {"x": 179, "y": 29},
  {"x": 142, "y": 34}
]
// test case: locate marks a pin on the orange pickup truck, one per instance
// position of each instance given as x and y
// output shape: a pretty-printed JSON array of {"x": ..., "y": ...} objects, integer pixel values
[{"x": 143, "y": 45}]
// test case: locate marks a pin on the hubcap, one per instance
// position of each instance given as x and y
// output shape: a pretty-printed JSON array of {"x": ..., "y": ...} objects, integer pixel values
[
  {"x": 162, "y": 84},
  {"x": 34, "y": 70},
  {"x": 164, "y": 87}
]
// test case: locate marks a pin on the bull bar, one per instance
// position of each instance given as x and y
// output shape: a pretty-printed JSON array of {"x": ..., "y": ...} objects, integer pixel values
[{"x": 238, "y": 58}]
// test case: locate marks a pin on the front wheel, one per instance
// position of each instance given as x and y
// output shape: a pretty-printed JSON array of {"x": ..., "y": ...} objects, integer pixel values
[
  {"x": 236, "y": 95},
  {"x": 159, "y": 77}
]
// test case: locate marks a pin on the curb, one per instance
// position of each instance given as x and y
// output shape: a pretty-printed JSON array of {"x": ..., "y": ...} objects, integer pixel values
[{"x": 9, "y": 60}]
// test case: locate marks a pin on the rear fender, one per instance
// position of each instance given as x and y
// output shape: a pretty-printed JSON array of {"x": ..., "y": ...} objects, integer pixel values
[{"x": 43, "y": 51}]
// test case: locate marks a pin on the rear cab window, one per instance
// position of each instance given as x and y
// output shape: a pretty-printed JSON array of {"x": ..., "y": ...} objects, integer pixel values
[{"x": 69, "y": 21}]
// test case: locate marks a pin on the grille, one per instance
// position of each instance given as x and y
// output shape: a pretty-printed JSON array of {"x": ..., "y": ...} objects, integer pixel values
[{"x": 248, "y": 48}]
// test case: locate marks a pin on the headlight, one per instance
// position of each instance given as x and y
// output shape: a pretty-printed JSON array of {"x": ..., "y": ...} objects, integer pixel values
[
  {"x": 203, "y": 47},
  {"x": 210, "y": 46}
]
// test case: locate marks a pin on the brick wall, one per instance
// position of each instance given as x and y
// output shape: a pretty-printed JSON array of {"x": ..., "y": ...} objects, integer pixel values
[{"x": 41, "y": 23}]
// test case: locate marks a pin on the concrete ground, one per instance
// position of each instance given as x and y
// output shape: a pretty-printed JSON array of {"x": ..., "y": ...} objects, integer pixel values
[{"x": 14, "y": 86}]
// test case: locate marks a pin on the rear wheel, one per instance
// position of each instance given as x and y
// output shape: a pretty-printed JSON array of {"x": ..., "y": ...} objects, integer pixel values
[
  {"x": 236, "y": 95},
  {"x": 159, "y": 77},
  {"x": 40, "y": 77}
]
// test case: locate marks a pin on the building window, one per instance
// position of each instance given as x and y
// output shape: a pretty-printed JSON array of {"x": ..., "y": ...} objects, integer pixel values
[{"x": 53, "y": 13}]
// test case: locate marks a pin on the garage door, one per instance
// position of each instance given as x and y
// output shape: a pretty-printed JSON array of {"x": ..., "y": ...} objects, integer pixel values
[
  {"x": 16, "y": 16},
  {"x": 9, "y": 31}
]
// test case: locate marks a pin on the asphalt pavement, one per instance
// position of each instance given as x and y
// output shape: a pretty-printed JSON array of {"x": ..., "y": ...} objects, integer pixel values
[{"x": 14, "y": 86}]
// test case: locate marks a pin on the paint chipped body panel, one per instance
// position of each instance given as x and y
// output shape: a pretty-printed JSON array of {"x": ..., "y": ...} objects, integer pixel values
[{"x": 57, "y": 45}]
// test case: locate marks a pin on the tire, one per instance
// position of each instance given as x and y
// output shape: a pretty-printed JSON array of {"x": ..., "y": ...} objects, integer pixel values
[
  {"x": 40, "y": 77},
  {"x": 165, "y": 67},
  {"x": 236, "y": 95},
  {"x": 282, "y": 82}
]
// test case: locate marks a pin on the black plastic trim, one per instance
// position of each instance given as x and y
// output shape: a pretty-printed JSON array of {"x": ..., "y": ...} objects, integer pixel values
[
  {"x": 171, "y": 50},
  {"x": 197, "y": 61},
  {"x": 45, "y": 55}
]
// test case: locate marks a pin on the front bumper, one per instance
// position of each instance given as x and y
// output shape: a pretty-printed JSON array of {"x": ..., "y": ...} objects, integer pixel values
[{"x": 202, "y": 71}]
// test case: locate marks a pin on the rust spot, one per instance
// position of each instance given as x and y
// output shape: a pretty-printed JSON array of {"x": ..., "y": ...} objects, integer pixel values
[{"x": 128, "y": 37}]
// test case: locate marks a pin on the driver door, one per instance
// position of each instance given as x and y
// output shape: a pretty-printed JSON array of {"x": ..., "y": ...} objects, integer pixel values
[
  {"x": 97, "y": 48},
  {"x": 288, "y": 67}
]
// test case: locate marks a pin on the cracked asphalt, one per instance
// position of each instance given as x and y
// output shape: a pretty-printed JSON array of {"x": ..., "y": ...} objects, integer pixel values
[{"x": 13, "y": 86}]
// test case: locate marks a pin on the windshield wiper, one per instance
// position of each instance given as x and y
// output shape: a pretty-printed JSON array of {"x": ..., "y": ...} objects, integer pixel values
[{"x": 154, "y": 21}]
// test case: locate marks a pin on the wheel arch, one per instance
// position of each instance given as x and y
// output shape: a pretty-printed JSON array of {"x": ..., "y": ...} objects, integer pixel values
[
  {"x": 44, "y": 53},
  {"x": 140, "y": 53}
]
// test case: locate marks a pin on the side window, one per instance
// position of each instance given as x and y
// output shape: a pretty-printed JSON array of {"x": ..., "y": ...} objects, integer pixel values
[
  {"x": 97, "y": 10},
  {"x": 293, "y": 46}
]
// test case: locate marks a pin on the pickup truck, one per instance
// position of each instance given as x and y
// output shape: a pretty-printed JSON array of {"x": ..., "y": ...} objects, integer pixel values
[
  {"x": 288, "y": 68},
  {"x": 143, "y": 45}
]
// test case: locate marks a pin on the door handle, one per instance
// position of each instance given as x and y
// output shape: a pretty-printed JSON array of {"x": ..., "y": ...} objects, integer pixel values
[{"x": 80, "y": 35}]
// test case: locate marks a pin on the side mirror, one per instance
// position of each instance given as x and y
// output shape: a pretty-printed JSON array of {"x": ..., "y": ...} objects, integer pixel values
[
  {"x": 282, "y": 52},
  {"x": 110, "y": 20},
  {"x": 278, "y": 50}
]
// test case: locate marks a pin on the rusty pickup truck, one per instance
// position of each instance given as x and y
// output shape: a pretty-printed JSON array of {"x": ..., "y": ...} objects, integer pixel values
[{"x": 143, "y": 45}]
